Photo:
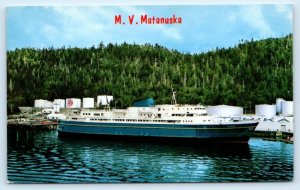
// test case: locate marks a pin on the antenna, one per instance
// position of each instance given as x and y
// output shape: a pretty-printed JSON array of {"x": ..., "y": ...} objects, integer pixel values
[{"x": 173, "y": 102}]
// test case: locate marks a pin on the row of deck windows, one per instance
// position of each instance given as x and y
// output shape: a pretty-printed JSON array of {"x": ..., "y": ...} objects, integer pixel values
[
  {"x": 159, "y": 109},
  {"x": 140, "y": 120},
  {"x": 93, "y": 119},
  {"x": 95, "y": 114}
]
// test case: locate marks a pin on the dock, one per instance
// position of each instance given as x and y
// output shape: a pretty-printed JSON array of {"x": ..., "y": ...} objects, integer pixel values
[{"x": 29, "y": 121}]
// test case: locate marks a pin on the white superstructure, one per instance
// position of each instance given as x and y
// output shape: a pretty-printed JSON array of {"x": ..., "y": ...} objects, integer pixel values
[
  {"x": 160, "y": 114},
  {"x": 54, "y": 116}
]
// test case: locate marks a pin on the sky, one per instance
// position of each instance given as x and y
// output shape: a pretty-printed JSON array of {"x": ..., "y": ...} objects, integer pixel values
[{"x": 203, "y": 27}]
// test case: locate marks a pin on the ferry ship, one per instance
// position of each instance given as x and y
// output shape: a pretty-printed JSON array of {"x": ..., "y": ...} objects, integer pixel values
[{"x": 168, "y": 122}]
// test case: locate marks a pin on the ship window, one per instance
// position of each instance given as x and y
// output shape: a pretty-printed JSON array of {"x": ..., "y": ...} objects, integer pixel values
[
  {"x": 96, "y": 114},
  {"x": 158, "y": 109},
  {"x": 101, "y": 114}
]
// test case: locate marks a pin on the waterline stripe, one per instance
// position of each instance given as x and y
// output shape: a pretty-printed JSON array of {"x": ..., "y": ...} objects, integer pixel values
[{"x": 170, "y": 128}]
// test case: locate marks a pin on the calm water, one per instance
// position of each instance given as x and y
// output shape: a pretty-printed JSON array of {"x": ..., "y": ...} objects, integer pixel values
[{"x": 43, "y": 157}]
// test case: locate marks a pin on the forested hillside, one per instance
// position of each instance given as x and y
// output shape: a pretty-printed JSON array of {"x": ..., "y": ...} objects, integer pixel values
[{"x": 250, "y": 73}]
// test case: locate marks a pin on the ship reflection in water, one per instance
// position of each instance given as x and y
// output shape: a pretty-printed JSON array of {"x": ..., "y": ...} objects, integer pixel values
[{"x": 43, "y": 157}]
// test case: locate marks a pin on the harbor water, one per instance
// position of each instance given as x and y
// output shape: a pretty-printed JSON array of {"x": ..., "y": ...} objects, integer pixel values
[{"x": 44, "y": 157}]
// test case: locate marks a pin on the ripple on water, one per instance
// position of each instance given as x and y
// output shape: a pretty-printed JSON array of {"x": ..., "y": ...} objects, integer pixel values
[{"x": 59, "y": 160}]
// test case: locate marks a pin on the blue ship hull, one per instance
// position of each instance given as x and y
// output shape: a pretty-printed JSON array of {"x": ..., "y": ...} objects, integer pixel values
[{"x": 239, "y": 132}]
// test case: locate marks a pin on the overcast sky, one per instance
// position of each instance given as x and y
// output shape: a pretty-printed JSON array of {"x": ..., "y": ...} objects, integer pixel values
[{"x": 203, "y": 28}]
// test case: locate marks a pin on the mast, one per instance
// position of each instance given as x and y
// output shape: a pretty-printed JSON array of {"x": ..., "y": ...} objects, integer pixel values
[{"x": 173, "y": 101}]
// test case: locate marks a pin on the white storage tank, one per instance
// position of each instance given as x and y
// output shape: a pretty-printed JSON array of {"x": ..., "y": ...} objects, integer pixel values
[
  {"x": 60, "y": 102},
  {"x": 73, "y": 103},
  {"x": 88, "y": 102},
  {"x": 225, "y": 110},
  {"x": 43, "y": 104},
  {"x": 56, "y": 107},
  {"x": 287, "y": 108},
  {"x": 279, "y": 105},
  {"x": 104, "y": 100},
  {"x": 265, "y": 110},
  {"x": 48, "y": 104},
  {"x": 40, "y": 103}
]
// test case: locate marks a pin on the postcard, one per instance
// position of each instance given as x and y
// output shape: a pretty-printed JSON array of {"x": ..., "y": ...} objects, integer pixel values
[{"x": 150, "y": 94}]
